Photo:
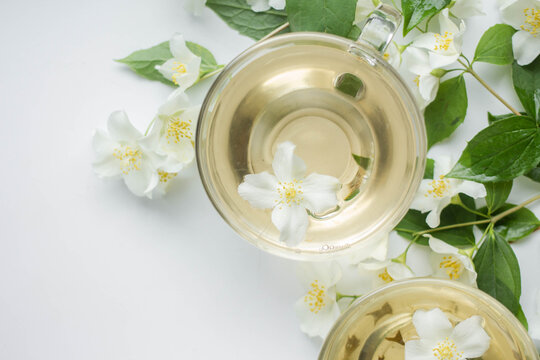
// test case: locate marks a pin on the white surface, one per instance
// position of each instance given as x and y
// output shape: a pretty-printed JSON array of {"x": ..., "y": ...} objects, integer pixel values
[{"x": 87, "y": 270}]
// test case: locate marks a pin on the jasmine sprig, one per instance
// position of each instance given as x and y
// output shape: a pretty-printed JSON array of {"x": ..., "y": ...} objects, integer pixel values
[
  {"x": 175, "y": 62},
  {"x": 491, "y": 220}
]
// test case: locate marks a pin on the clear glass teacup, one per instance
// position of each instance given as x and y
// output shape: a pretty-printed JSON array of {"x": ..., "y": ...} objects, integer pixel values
[
  {"x": 377, "y": 325},
  {"x": 332, "y": 97}
]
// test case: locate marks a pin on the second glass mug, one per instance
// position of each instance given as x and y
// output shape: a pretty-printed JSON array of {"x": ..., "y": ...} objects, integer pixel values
[{"x": 331, "y": 97}]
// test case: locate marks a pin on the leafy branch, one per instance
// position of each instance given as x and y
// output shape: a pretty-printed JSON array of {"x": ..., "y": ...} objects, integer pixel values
[
  {"x": 493, "y": 220},
  {"x": 470, "y": 70}
]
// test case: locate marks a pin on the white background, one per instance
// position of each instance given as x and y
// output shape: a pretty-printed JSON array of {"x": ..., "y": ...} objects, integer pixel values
[{"x": 89, "y": 271}]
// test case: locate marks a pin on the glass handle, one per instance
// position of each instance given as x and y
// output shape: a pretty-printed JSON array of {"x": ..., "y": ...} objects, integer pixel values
[{"x": 379, "y": 27}]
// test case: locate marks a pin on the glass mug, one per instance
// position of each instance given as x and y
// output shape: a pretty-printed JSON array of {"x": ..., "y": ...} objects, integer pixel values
[
  {"x": 332, "y": 97},
  {"x": 368, "y": 330}
]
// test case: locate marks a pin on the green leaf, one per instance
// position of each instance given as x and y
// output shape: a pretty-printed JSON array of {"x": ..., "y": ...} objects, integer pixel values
[
  {"x": 504, "y": 150},
  {"x": 208, "y": 62},
  {"x": 239, "y": 16},
  {"x": 352, "y": 195},
  {"x": 144, "y": 62},
  {"x": 414, "y": 221},
  {"x": 498, "y": 271},
  {"x": 537, "y": 104},
  {"x": 349, "y": 84},
  {"x": 521, "y": 317},
  {"x": 526, "y": 83},
  {"x": 362, "y": 161},
  {"x": 534, "y": 174},
  {"x": 329, "y": 16},
  {"x": 447, "y": 111},
  {"x": 494, "y": 118},
  {"x": 515, "y": 226},
  {"x": 497, "y": 193},
  {"x": 430, "y": 166},
  {"x": 495, "y": 46},
  {"x": 354, "y": 33},
  {"x": 414, "y": 11}
]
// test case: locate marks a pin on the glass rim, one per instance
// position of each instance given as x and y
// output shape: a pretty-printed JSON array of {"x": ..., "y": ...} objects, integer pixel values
[{"x": 282, "y": 250}]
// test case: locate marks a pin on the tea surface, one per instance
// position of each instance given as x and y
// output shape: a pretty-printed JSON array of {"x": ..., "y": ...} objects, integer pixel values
[{"x": 289, "y": 94}]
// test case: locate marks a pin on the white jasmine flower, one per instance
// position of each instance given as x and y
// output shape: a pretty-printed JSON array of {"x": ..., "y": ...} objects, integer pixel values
[
  {"x": 380, "y": 273},
  {"x": 317, "y": 310},
  {"x": 439, "y": 340},
  {"x": 464, "y": 9},
  {"x": 424, "y": 85},
  {"x": 183, "y": 69},
  {"x": 289, "y": 192},
  {"x": 122, "y": 153},
  {"x": 173, "y": 132},
  {"x": 448, "y": 262},
  {"x": 434, "y": 195},
  {"x": 264, "y": 5},
  {"x": 443, "y": 47},
  {"x": 195, "y": 7},
  {"x": 524, "y": 16}
]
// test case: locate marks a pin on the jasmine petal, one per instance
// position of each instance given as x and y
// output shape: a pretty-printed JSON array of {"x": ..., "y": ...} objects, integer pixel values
[{"x": 264, "y": 5}]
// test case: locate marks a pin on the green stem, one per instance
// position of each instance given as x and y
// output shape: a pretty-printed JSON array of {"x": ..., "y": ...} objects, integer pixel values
[
  {"x": 428, "y": 21},
  {"x": 453, "y": 226},
  {"x": 460, "y": 203},
  {"x": 149, "y": 126},
  {"x": 340, "y": 296},
  {"x": 275, "y": 31},
  {"x": 493, "y": 220},
  {"x": 210, "y": 74},
  {"x": 479, "y": 243},
  {"x": 514, "y": 209},
  {"x": 466, "y": 59},
  {"x": 402, "y": 259},
  {"x": 470, "y": 70}
]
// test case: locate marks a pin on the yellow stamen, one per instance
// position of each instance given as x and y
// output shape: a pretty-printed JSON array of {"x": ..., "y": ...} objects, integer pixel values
[
  {"x": 417, "y": 80},
  {"x": 164, "y": 176},
  {"x": 452, "y": 267},
  {"x": 531, "y": 22},
  {"x": 443, "y": 41},
  {"x": 386, "y": 56},
  {"x": 315, "y": 298},
  {"x": 130, "y": 158},
  {"x": 179, "y": 69},
  {"x": 290, "y": 192},
  {"x": 385, "y": 276},
  {"x": 447, "y": 350},
  {"x": 438, "y": 187},
  {"x": 177, "y": 130}
]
